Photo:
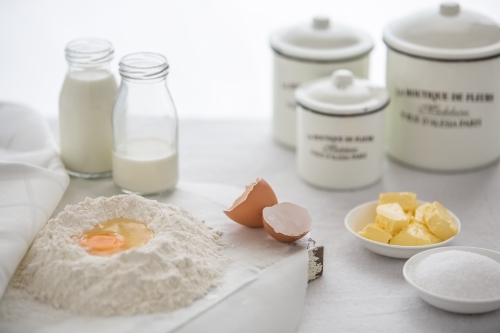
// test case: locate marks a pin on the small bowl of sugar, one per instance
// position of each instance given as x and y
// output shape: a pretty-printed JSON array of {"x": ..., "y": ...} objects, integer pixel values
[{"x": 458, "y": 279}]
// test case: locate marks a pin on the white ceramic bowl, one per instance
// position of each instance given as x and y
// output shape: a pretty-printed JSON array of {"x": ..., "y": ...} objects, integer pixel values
[
  {"x": 364, "y": 214},
  {"x": 447, "y": 303}
]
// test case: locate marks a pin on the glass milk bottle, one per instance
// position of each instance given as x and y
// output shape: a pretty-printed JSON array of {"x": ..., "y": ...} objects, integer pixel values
[
  {"x": 85, "y": 108},
  {"x": 145, "y": 127}
]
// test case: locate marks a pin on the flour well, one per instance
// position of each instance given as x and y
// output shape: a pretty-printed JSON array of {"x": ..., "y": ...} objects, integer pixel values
[{"x": 178, "y": 265}]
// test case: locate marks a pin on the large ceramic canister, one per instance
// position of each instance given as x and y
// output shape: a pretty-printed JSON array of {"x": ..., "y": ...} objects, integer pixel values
[
  {"x": 340, "y": 133},
  {"x": 443, "y": 74},
  {"x": 309, "y": 51}
]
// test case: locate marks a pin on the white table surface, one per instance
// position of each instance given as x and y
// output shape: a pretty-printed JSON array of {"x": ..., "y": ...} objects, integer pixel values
[{"x": 359, "y": 291}]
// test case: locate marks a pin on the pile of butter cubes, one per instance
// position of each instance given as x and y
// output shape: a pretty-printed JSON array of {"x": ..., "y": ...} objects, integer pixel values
[{"x": 401, "y": 221}]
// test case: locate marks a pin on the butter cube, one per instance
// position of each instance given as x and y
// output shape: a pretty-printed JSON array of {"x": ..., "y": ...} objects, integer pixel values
[
  {"x": 420, "y": 212},
  {"x": 413, "y": 235},
  {"x": 407, "y": 200},
  {"x": 440, "y": 222},
  {"x": 379, "y": 222},
  {"x": 392, "y": 218},
  {"x": 375, "y": 233}
]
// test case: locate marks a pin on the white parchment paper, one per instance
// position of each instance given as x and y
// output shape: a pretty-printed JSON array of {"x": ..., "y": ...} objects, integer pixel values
[{"x": 252, "y": 252}]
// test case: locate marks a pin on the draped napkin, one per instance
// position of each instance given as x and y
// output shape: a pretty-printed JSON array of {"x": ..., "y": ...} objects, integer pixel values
[{"x": 32, "y": 182}]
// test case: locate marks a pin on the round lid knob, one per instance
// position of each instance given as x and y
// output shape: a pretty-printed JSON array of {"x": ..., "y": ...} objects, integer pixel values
[
  {"x": 321, "y": 22},
  {"x": 342, "y": 78},
  {"x": 449, "y": 9}
]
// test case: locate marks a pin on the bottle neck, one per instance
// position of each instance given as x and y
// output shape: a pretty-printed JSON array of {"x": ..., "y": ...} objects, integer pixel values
[
  {"x": 144, "y": 67},
  {"x": 89, "y": 55},
  {"x": 153, "y": 91},
  {"x": 77, "y": 67},
  {"x": 160, "y": 82}
]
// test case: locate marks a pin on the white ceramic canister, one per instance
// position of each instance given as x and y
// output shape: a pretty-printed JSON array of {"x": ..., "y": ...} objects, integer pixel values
[
  {"x": 310, "y": 51},
  {"x": 443, "y": 74},
  {"x": 340, "y": 132}
]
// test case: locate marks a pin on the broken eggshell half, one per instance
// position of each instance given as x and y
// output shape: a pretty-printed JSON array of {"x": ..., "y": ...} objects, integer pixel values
[
  {"x": 286, "y": 222},
  {"x": 247, "y": 209}
]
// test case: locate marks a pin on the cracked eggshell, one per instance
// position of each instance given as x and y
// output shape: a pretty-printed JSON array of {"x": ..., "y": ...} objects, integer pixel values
[
  {"x": 286, "y": 222},
  {"x": 247, "y": 209}
]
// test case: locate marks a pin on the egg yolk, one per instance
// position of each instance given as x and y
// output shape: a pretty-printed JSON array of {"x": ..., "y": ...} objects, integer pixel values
[
  {"x": 114, "y": 236},
  {"x": 110, "y": 242}
]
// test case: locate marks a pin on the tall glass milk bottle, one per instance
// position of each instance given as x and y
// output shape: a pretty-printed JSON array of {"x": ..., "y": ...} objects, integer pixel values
[
  {"x": 85, "y": 108},
  {"x": 145, "y": 154}
]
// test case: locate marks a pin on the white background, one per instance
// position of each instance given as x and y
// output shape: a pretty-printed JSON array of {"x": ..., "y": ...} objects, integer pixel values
[{"x": 220, "y": 60}]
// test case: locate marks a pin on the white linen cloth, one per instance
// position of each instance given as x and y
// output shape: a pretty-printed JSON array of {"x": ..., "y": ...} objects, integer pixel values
[{"x": 32, "y": 182}]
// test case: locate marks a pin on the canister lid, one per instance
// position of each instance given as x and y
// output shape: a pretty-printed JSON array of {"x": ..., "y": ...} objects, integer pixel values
[
  {"x": 342, "y": 95},
  {"x": 445, "y": 33},
  {"x": 321, "y": 40}
]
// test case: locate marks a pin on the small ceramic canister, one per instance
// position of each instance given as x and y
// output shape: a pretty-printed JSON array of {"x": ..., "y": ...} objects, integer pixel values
[
  {"x": 309, "y": 51},
  {"x": 340, "y": 133}
]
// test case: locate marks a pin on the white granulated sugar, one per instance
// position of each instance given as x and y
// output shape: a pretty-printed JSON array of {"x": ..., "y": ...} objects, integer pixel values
[
  {"x": 459, "y": 274},
  {"x": 180, "y": 264}
]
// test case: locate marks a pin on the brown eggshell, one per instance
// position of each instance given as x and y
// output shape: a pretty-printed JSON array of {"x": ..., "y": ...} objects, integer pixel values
[
  {"x": 293, "y": 223},
  {"x": 281, "y": 237},
  {"x": 247, "y": 209}
]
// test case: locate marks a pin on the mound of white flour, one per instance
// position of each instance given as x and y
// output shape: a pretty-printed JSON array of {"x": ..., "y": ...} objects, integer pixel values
[{"x": 178, "y": 265}]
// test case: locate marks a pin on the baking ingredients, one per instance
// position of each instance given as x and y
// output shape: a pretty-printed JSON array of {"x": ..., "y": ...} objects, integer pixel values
[
  {"x": 374, "y": 232},
  {"x": 145, "y": 165},
  {"x": 439, "y": 221},
  {"x": 415, "y": 234},
  {"x": 258, "y": 207},
  {"x": 85, "y": 105},
  {"x": 286, "y": 222},
  {"x": 413, "y": 225},
  {"x": 420, "y": 211},
  {"x": 247, "y": 209},
  {"x": 460, "y": 275},
  {"x": 114, "y": 236},
  {"x": 178, "y": 265},
  {"x": 407, "y": 200},
  {"x": 391, "y": 217},
  {"x": 145, "y": 151}
]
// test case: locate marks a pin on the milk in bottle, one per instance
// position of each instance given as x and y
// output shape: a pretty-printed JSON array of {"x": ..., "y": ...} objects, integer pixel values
[
  {"x": 85, "y": 108},
  {"x": 145, "y": 154}
]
